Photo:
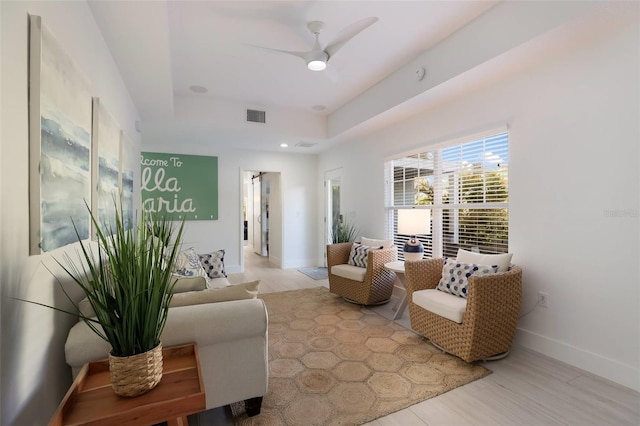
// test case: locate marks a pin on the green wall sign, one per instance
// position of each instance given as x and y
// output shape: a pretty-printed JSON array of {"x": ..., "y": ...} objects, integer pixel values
[{"x": 179, "y": 186}]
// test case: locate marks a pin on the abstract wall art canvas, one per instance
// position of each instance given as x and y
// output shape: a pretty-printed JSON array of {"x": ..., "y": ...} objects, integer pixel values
[
  {"x": 105, "y": 167},
  {"x": 59, "y": 144},
  {"x": 128, "y": 164}
]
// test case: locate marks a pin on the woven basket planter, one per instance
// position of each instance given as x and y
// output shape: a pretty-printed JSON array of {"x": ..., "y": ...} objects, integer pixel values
[{"x": 136, "y": 374}]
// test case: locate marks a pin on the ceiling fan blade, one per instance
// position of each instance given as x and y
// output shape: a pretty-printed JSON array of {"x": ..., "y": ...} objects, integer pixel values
[
  {"x": 348, "y": 33},
  {"x": 303, "y": 55}
]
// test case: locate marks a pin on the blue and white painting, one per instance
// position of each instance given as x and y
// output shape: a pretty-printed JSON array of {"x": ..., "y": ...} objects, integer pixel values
[
  {"x": 128, "y": 163},
  {"x": 65, "y": 147},
  {"x": 106, "y": 148}
]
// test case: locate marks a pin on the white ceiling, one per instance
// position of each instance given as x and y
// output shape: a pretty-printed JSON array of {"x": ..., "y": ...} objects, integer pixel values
[{"x": 162, "y": 48}]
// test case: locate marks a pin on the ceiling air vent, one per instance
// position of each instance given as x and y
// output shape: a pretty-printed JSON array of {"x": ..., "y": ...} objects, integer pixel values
[
  {"x": 305, "y": 144},
  {"x": 256, "y": 116}
]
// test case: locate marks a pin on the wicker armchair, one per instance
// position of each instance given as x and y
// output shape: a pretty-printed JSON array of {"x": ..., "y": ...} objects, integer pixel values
[
  {"x": 377, "y": 286},
  {"x": 490, "y": 317}
]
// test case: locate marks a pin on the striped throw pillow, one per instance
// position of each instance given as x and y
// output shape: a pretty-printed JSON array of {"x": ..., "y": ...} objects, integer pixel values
[{"x": 359, "y": 254}]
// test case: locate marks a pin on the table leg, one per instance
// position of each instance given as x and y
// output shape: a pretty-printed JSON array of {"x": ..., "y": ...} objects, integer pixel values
[
  {"x": 180, "y": 421},
  {"x": 401, "y": 304}
]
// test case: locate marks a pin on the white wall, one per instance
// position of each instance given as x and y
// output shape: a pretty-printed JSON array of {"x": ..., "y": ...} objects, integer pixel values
[
  {"x": 574, "y": 194},
  {"x": 297, "y": 193},
  {"x": 33, "y": 375}
]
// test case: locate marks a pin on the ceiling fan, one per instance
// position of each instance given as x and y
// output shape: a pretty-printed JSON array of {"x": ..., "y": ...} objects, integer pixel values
[{"x": 318, "y": 57}]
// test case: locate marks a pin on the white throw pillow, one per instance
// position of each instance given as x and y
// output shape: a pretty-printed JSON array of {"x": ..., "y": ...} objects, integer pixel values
[
  {"x": 376, "y": 243},
  {"x": 248, "y": 290},
  {"x": 502, "y": 260},
  {"x": 182, "y": 284}
]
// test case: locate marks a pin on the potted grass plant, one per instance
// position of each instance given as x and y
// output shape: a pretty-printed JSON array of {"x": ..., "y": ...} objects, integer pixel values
[
  {"x": 127, "y": 281},
  {"x": 343, "y": 231}
]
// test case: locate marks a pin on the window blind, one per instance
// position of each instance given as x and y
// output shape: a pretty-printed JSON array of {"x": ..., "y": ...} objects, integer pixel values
[{"x": 466, "y": 187}]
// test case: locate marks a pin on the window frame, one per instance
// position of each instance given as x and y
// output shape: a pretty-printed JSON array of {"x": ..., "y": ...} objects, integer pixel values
[{"x": 434, "y": 243}]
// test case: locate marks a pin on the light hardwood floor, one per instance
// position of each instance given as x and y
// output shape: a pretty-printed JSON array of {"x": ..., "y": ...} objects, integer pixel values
[{"x": 526, "y": 388}]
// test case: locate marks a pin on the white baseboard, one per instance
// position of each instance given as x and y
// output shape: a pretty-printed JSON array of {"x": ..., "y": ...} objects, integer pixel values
[{"x": 610, "y": 369}]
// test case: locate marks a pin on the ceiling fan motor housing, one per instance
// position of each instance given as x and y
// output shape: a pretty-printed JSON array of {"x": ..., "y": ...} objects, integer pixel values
[{"x": 315, "y": 26}]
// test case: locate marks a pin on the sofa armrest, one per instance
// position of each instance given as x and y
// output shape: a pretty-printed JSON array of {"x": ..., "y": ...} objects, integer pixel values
[{"x": 201, "y": 324}]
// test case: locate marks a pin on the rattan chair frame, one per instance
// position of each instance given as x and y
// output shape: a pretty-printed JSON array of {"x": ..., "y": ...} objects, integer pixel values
[
  {"x": 490, "y": 319},
  {"x": 378, "y": 282}
]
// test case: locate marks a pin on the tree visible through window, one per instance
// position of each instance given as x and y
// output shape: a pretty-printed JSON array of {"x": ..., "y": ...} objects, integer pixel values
[{"x": 466, "y": 188}]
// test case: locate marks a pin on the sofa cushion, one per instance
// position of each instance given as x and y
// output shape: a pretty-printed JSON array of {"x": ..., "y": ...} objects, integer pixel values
[
  {"x": 85, "y": 308},
  {"x": 248, "y": 290},
  {"x": 218, "y": 282},
  {"x": 376, "y": 243},
  {"x": 183, "y": 283},
  {"x": 502, "y": 260},
  {"x": 444, "y": 304},
  {"x": 188, "y": 263},
  {"x": 455, "y": 276},
  {"x": 213, "y": 263},
  {"x": 349, "y": 272}
]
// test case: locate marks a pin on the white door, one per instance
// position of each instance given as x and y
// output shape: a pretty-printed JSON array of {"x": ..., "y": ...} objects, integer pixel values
[
  {"x": 257, "y": 212},
  {"x": 265, "y": 191},
  {"x": 332, "y": 203}
]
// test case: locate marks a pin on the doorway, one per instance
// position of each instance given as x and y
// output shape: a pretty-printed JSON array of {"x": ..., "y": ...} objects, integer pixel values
[
  {"x": 262, "y": 216},
  {"x": 332, "y": 204}
]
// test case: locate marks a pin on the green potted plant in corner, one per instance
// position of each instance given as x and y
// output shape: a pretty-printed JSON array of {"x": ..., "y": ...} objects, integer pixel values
[
  {"x": 342, "y": 231},
  {"x": 127, "y": 281}
]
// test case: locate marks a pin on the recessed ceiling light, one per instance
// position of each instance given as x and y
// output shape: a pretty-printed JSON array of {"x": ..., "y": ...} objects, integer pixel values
[
  {"x": 198, "y": 89},
  {"x": 318, "y": 107},
  {"x": 284, "y": 145}
]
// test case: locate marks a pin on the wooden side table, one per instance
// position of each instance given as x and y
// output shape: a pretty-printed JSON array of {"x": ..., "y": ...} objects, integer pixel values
[
  {"x": 91, "y": 400},
  {"x": 398, "y": 267}
]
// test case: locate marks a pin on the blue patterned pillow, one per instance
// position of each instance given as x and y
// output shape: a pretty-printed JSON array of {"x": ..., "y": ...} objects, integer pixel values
[
  {"x": 359, "y": 254},
  {"x": 455, "y": 276},
  {"x": 213, "y": 264}
]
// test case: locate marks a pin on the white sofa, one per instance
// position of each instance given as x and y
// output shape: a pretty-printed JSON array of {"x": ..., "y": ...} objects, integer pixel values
[{"x": 231, "y": 337}]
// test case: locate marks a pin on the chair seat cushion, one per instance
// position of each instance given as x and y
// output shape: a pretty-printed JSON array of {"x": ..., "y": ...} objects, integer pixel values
[
  {"x": 444, "y": 304},
  {"x": 349, "y": 272}
]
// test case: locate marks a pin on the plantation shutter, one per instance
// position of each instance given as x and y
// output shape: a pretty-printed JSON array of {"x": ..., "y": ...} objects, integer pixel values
[{"x": 464, "y": 184}]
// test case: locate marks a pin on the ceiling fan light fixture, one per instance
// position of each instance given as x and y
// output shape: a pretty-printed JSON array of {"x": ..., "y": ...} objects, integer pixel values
[
  {"x": 316, "y": 65},
  {"x": 317, "y": 60}
]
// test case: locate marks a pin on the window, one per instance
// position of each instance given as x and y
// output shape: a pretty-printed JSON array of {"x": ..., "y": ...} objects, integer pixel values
[{"x": 465, "y": 185}]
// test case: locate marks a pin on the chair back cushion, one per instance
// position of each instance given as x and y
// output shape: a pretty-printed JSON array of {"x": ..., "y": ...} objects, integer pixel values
[
  {"x": 440, "y": 303},
  {"x": 376, "y": 243},
  {"x": 502, "y": 260},
  {"x": 350, "y": 272}
]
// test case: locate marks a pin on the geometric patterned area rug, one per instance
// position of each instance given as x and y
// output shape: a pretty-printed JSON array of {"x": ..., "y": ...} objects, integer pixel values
[
  {"x": 319, "y": 273},
  {"x": 335, "y": 363}
]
